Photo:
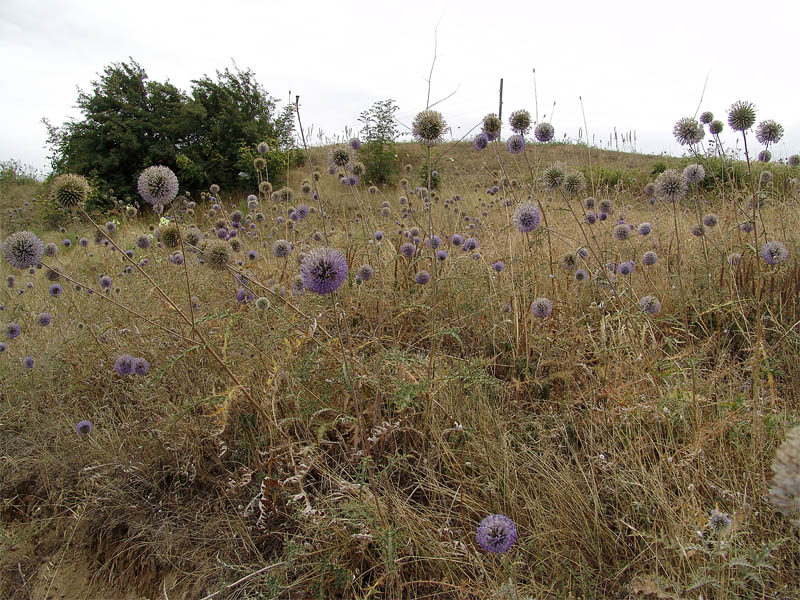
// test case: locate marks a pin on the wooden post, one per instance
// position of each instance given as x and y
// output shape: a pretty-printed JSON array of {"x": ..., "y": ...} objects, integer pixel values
[{"x": 500, "y": 109}]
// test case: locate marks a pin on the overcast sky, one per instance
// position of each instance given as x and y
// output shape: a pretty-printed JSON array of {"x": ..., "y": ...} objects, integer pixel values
[{"x": 638, "y": 65}]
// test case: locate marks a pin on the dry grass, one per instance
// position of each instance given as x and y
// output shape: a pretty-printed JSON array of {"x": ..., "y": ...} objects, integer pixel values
[{"x": 585, "y": 428}]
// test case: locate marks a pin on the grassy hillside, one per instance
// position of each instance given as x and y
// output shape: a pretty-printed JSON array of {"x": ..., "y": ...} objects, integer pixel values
[{"x": 349, "y": 445}]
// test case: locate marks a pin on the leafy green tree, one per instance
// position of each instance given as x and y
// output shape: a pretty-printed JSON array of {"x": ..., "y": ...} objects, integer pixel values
[
  {"x": 379, "y": 148},
  {"x": 130, "y": 122}
]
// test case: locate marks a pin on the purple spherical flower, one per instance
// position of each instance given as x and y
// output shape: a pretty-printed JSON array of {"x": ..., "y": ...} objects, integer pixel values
[
  {"x": 496, "y": 534},
  {"x": 12, "y": 330},
  {"x": 22, "y": 249},
  {"x": 774, "y": 253},
  {"x": 365, "y": 272},
  {"x": 422, "y": 277},
  {"x": 55, "y": 290},
  {"x": 499, "y": 266},
  {"x": 378, "y": 235},
  {"x": 515, "y": 144},
  {"x": 542, "y": 308},
  {"x": 323, "y": 270},
  {"x": 441, "y": 255},
  {"x": 480, "y": 141},
  {"x": 245, "y": 295},
  {"x": 355, "y": 143},
  {"x": 106, "y": 282},
  {"x": 470, "y": 244},
  {"x": 581, "y": 275},
  {"x": 281, "y": 248},
  {"x": 622, "y": 232},
  {"x": 140, "y": 366},
  {"x": 83, "y": 427},
  {"x": 124, "y": 364},
  {"x": 526, "y": 217},
  {"x": 3, "y": 346},
  {"x": 435, "y": 241},
  {"x": 27, "y": 362},
  {"x": 158, "y": 185},
  {"x": 408, "y": 250},
  {"x": 645, "y": 228},
  {"x": 456, "y": 239},
  {"x": 43, "y": 319},
  {"x": 625, "y": 267},
  {"x": 650, "y": 304},
  {"x": 649, "y": 258}
]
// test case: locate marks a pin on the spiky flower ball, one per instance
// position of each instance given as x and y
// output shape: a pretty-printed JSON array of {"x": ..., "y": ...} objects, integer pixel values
[
  {"x": 706, "y": 117},
  {"x": 694, "y": 173},
  {"x": 515, "y": 144},
  {"x": 526, "y": 217},
  {"x": 650, "y": 304},
  {"x": 734, "y": 258},
  {"x": 83, "y": 427},
  {"x": 649, "y": 258},
  {"x": 480, "y": 141},
  {"x": 22, "y": 249},
  {"x": 622, "y": 232},
  {"x": 542, "y": 308},
  {"x": 644, "y": 228},
  {"x": 365, "y": 272},
  {"x": 671, "y": 185},
  {"x": 741, "y": 115},
  {"x": 605, "y": 206},
  {"x": 193, "y": 236},
  {"x": 765, "y": 177},
  {"x": 520, "y": 121},
  {"x": 158, "y": 185},
  {"x": 124, "y": 364},
  {"x": 769, "y": 132},
  {"x": 143, "y": 241},
  {"x": 544, "y": 132},
  {"x": 262, "y": 147},
  {"x": 422, "y": 277},
  {"x": 774, "y": 253},
  {"x": 216, "y": 254},
  {"x": 408, "y": 250},
  {"x": 784, "y": 493},
  {"x": 170, "y": 236},
  {"x": 710, "y": 220},
  {"x": 323, "y": 270},
  {"x": 574, "y": 182},
  {"x": 491, "y": 126},
  {"x": 12, "y": 330},
  {"x": 794, "y": 160},
  {"x": 259, "y": 163},
  {"x": 688, "y": 132},
  {"x": 764, "y": 156},
  {"x": 355, "y": 143},
  {"x": 428, "y": 127},
  {"x": 496, "y": 534},
  {"x": 339, "y": 157},
  {"x": 553, "y": 176},
  {"x": 281, "y": 248},
  {"x": 70, "y": 190}
]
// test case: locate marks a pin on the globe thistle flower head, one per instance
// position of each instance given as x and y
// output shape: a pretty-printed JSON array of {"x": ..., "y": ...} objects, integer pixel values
[
  {"x": 339, "y": 157},
  {"x": 456, "y": 239},
  {"x": 569, "y": 262},
  {"x": 12, "y": 330},
  {"x": 140, "y": 366},
  {"x": 644, "y": 228},
  {"x": 650, "y": 304},
  {"x": 498, "y": 266},
  {"x": 784, "y": 493},
  {"x": 470, "y": 244},
  {"x": 710, "y": 220},
  {"x": 22, "y": 249},
  {"x": 544, "y": 132},
  {"x": 259, "y": 163},
  {"x": 719, "y": 522},
  {"x": 428, "y": 127},
  {"x": 591, "y": 218},
  {"x": 794, "y": 160},
  {"x": 83, "y": 427},
  {"x": 515, "y": 144},
  {"x": 323, "y": 270},
  {"x": 769, "y": 132},
  {"x": 50, "y": 249},
  {"x": 281, "y": 248},
  {"x": 158, "y": 185},
  {"x": 553, "y": 176},
  {"x": 650, "y": 190},
  {"x": 216, "y": 254},
  {"x": 671, "y": 185},
  {"x": 422, "y": 277},
  {"x": 734, "y": 258},
  {"x": 622, "y": 232},
  {"x": 55, "y": 290},
  {"x": 589, "y": 203},
  {"x": 262, "y": 147},
  {"x": 378, "y": 235},
  {"x": 365, "y": 272},
  {"x": 698, "y": 230},
  {"x": 649, "y": 258},
  {"x": 581, "y": 275},
  {"x": 491, "y": 126},
  {"x": 688, "y": 132},
  {"x": 170, "y": 236},
  {"x": 245, "y": 295},
  {"x": 28, "y": 362},
  {"x": 774, "y": 253},
  {"x": 355, "y": 143},
  {"x": 124, "y": 364},
  {"x": 694, "y": 173},
  {"x": 574, "y": 182},
  {"x": 716, "y": 127},
  {"x": 408, "y": 250},
  {"x": 70, "y": 191},
  {"x": 301, "y": 212},
  {"x": 496, "y": 534},
  {"x": 433, "y": 242},
  {"x": 741, "y": 115},
  {"x": 765, "y": 177},
  {"x": 747, "y": 227},
  {"x": 625, "y": 267},
  {"x": 83, "y": 242},
  {"x": 526, "y": 217},
  {"x": 764, "y": 156},
  {"x": 706, "y": 117},
  {"x": 542, "y": 308},
  {"x": 3, "y": 346},
  {"x": 262, "y": 303},
  {"x": 520, "y": 121},
  {"x": 480, "y": 141},
  {"x": 143, "y": 241},
  {"x": 441, "y": 255}
]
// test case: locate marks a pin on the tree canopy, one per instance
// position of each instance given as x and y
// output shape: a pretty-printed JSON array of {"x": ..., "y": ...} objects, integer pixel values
[{"x": 130, "y": 122}]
